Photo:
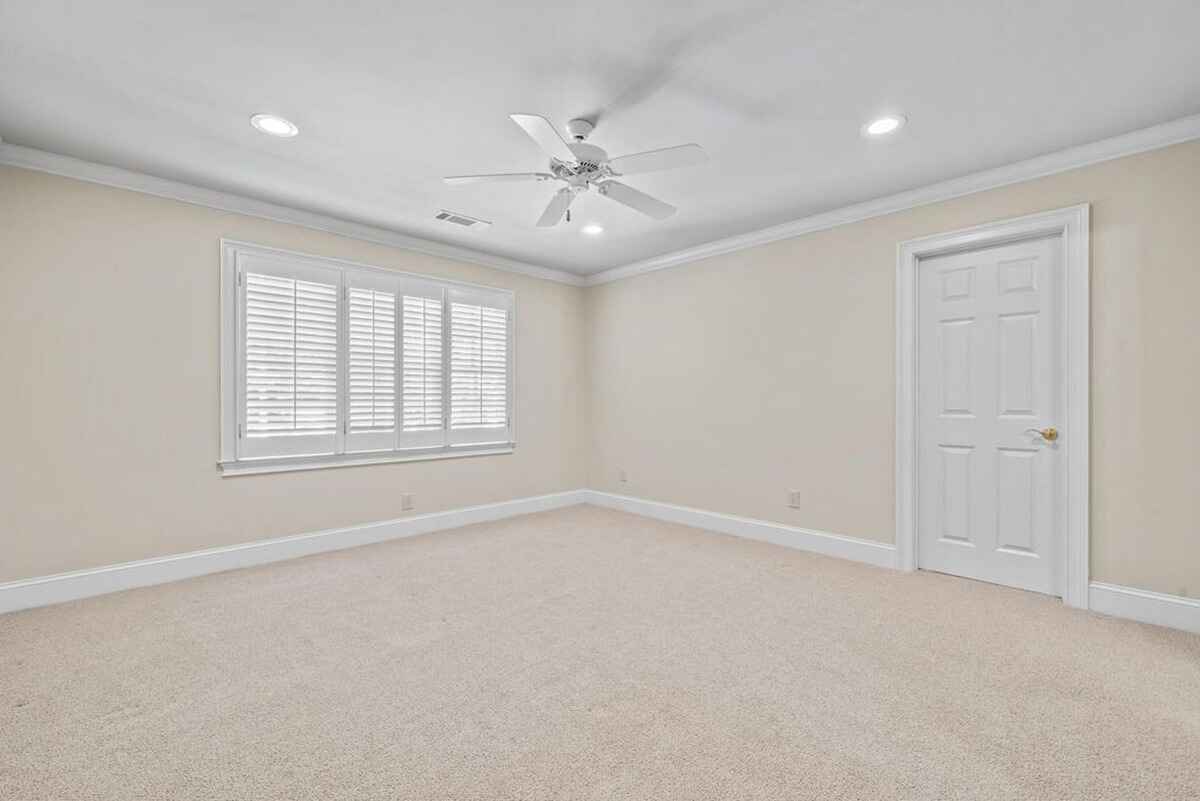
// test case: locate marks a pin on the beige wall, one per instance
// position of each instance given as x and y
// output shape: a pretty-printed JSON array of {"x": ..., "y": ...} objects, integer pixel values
[
  {"x": 722, "y": 384},
  {"x": 112, "y": 414},
  {"x": 726, "y": 383}
]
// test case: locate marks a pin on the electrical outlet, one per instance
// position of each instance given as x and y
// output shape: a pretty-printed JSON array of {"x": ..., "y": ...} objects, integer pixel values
[
  {"x": 406, "y": 502},
  {"x": 794, "y": 499}
]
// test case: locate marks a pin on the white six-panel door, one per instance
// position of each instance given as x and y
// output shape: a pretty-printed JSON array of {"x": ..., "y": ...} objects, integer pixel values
[{"x": 990, "y": 487}]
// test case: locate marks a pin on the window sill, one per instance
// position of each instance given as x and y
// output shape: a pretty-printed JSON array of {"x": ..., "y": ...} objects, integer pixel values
[{"x": 288, "y": 464}]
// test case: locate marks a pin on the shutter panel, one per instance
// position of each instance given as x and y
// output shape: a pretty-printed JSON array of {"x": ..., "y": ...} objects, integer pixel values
[
  {"x": 479, "y": 367},
  {"x": 422, "y": 367},
  {"x": 290, "y": 364},
  {"x": 334, "y": 360},
  {"x": 371, "y": 365}
]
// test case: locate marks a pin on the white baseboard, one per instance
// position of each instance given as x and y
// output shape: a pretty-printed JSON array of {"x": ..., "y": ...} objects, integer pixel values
[
  {"x": 46, "y": 590},
  {"x": 879, "y": 554},
  {"x": 1160, "y": 609},
  {"x": 1173, "y": 611}
]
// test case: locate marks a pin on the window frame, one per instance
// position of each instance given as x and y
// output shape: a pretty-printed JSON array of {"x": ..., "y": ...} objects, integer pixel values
[{"x": 237, "y": 255}]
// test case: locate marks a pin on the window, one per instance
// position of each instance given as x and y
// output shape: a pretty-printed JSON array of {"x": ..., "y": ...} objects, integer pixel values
[{"x": 325, "y": 362}]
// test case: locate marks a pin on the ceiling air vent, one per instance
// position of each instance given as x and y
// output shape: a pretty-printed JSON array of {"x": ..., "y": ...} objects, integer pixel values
[{"x": 460, "y": 219}]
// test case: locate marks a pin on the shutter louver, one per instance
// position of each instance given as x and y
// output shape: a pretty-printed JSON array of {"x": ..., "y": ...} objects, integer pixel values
[
  {"x": 422, "y": 372},
  {"x": 290, "y": 390},
  {"x": 478, "y": 373}
]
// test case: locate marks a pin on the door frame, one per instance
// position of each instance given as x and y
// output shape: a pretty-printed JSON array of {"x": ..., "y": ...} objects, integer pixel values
[{"x": 1072, "y": 224}]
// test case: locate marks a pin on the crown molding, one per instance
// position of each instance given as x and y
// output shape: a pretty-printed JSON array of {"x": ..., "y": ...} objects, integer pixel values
[
  {"x": 1146, "y": 139},
  {"x": 1153, "y": 138},
  {"x": 69, "y": 167}
]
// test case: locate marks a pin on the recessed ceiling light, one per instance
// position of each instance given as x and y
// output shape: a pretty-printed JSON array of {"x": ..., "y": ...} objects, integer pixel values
[
  {"x": 273, "y": 125},
  {"x": 592, "y": 229},
  {"x": 884, "y": 125}
]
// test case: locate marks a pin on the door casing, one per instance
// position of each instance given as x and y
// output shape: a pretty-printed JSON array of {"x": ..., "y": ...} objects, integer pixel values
[{"x": 1072, "y": 225}]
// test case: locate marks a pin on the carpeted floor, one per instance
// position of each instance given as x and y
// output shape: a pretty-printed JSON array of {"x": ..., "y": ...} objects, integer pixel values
[{"x": 590, "y": 654}]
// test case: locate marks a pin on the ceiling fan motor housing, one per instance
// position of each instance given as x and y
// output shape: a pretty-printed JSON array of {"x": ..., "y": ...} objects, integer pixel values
[{"x": 588, "y": 156}]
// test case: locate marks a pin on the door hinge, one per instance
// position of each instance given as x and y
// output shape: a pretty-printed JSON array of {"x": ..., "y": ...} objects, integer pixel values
[{"x": 239, "y": 430}]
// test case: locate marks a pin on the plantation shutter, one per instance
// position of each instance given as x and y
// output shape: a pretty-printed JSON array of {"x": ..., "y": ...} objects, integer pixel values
[
  {"x": 289, "y": 362},
  {"x": 480, "y": 366},
  {"x": 324, "y": 362},
  {"x": 422, "y": 365},
  {"x": 370, "y": 362}
]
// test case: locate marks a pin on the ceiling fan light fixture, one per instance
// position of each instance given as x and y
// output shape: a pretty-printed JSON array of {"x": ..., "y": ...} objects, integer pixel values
[
  {"x": 885, "y": 125},
  {"x": 274, "y": 125}
]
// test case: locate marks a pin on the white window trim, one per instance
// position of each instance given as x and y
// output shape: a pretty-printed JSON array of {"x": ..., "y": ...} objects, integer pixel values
[{"x": 231, "y": 465}]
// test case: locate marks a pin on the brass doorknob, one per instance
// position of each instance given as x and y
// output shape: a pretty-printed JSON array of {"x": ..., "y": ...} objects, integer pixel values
[{"x": 1048, "y": 434}]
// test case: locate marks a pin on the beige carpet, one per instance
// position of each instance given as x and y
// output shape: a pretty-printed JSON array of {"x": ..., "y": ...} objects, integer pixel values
[{"x": 590, "y": 654}]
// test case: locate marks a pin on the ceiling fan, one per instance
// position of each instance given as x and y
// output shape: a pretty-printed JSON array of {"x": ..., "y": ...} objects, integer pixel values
[{"x": 581, "y": 166}]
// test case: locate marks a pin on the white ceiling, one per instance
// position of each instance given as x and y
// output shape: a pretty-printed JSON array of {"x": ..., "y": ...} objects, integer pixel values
[{"x": 390, "y": 96}]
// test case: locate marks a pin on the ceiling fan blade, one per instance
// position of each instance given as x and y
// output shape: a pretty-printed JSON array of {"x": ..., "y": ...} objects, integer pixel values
[
  {"x": 666, "y": 159},
  {"x": 638, "y": 201},
  {"x": 456, "y": 180},
  {"x": 546, "y": 135},
  {"x": 557, "y": 208}
]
